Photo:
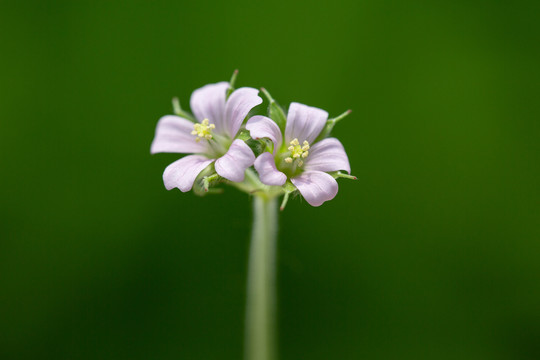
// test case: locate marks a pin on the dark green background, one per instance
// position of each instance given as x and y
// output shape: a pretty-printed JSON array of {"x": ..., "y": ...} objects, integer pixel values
[{"x": 434, "y": 253}]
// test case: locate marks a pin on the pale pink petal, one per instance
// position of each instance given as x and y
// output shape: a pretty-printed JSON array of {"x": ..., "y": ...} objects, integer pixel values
[
  {"x": 182, "y": 173},
  {"x": 234, "y": 163},
  {"x": 316, "y": 187},
  {"x": 208, "y": 102},
  {"x": 268, "y": 173},
  {"x": 304, "y": 122},
  {"x": 173, "y": 135},
  {"x": 263, "y": 127},
  {"x": 327, "y": 155},
  {"x": 237, "y": 108}
]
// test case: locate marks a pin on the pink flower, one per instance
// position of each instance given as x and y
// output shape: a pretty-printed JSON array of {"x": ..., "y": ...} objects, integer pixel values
[
  {"x": 211, "y": 139},
  {"x": 296, "y": 157}
]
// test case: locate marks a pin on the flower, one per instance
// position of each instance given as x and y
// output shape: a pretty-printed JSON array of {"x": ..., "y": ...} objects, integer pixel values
[
  {"x": 296, "y": 156},
  {"x": 211, "y": 139}
]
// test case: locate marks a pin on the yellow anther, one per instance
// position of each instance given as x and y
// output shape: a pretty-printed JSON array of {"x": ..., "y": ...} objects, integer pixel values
[
  {"x": 203, "y": 130},
  {"x": 298, "y": 151},
  {"x": 300, "y": 163},
  {"x": 288, "y": 160}
]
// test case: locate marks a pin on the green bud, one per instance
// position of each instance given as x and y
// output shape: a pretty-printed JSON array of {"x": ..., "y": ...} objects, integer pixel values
[
  {"x": 257, "y": 146},
  {"x": 243, "y": 135}
]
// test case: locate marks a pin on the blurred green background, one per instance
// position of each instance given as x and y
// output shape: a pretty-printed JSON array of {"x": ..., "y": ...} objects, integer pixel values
[{"x": 434, "y": 253}]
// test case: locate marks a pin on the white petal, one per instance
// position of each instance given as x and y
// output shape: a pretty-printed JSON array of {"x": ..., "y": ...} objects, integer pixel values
[
  {"x": 182, "y": 173},
  {"x": 316, "y": 187},
  {"x": 208, "y": 102},
  {"x": 173, "y": 135},
  {"x": 234, "y": 163},
  {"x": 237, "y": 108},
  {"x": 327, "y": 155},
  {"x": 263, "y": 127},
  {"x": 268, "y": 173},
  {"x": 304, "y": 122}
]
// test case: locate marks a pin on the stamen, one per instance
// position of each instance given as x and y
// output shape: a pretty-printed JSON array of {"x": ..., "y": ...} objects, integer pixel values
[
  {"x": 203, "y": 130},
  {"x": 297, "y": 151}
]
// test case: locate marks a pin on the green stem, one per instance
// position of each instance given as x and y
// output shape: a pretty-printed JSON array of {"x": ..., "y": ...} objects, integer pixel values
[{"x": 261, "y": 294}]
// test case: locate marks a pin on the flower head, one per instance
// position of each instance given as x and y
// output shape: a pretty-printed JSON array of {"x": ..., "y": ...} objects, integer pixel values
[
  {"x": 211, "y": 138},
  {"x": 297, "y": 156}
]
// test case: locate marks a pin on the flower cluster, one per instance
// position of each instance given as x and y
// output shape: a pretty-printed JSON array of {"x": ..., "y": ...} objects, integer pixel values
[{"x": 271, "y": 155}]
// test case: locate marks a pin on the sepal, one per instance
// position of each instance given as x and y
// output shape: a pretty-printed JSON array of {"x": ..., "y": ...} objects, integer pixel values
[
  {"x": 177, "y": 109},
  {"x": 339, "y": 174},
  {"x": 231, "y": 84},
  {"x": 288, "y": 189},
  {"x": 330, "y": 126},
  {"x": 275, "y": 112}
]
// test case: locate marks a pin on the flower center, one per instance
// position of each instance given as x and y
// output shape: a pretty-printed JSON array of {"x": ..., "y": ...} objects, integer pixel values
[
  {"x": 297, "y": 152},
  {"x": 203, "y": 130}
]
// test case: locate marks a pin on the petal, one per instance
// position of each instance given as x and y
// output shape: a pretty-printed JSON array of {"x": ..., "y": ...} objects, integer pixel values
[
  {"x": 208, "y": 102},
  {"x": 327, "y": 155},
  {"x": 237, "y": 108},
  {"x": 173, "y": 134},
  {"x": 268, "y": 173},
  {"x": 304, "y": 122},
  {"x": 182, "y": 173},
  {"x": 263, "y": 127},
  {"x": 316, "y": 187},
  {"x": 234, "y": 163}
]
